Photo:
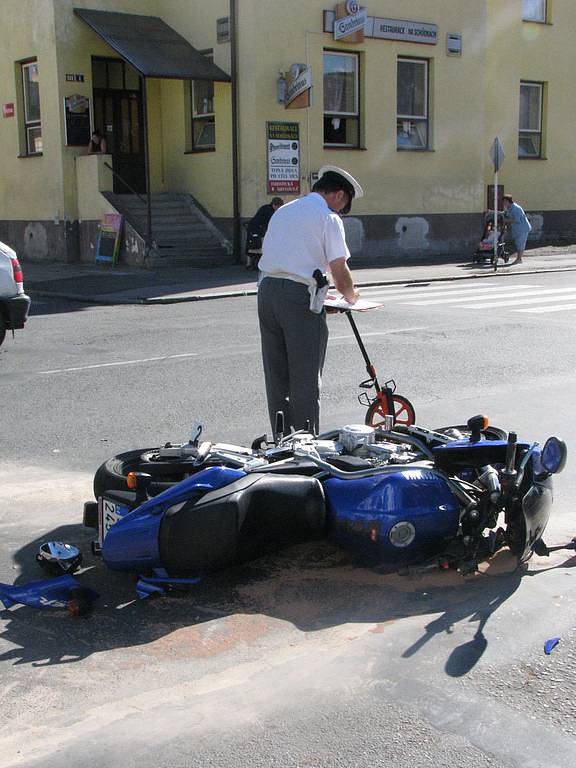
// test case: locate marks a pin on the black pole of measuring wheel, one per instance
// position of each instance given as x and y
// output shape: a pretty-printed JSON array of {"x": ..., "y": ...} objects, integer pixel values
[{"x": 356, "y": 333}]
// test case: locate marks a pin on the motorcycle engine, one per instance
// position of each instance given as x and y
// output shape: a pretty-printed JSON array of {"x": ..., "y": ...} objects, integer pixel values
[
  {"x": 360, "y": 440},
  {"x": 356, "y": 436}
]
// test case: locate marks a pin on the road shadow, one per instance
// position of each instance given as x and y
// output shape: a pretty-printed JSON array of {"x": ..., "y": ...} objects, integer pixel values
[{"x": 313, "y": 587}]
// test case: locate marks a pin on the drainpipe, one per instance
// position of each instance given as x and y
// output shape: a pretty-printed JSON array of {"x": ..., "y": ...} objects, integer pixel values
[
  {"x": 147, "y": 162},
  {"x": 237, "y": 238}
]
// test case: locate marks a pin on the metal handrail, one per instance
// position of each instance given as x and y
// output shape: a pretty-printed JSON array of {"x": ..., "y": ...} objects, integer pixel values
[
  {"x": 125, "y": 183},
  {"x": 148, "y": 239}
]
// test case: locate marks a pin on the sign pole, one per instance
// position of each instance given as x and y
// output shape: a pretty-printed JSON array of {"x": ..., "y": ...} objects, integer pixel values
[{"x": 496, "y": 220}]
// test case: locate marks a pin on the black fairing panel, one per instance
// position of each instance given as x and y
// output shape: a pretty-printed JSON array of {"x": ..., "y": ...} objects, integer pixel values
[{"x": 254, "y": 516}]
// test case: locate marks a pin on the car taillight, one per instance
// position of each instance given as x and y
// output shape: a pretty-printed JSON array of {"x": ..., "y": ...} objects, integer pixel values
[{"x": 17, "y": 269}]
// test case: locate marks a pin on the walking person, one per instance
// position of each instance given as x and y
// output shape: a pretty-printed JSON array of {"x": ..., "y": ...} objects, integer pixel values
[
  {"x": 305, "y": 239},
  {"x": 520, "y": 226}
]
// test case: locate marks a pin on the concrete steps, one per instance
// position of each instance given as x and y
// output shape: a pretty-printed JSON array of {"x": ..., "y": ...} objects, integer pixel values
[{"x": 184, "y": 234}]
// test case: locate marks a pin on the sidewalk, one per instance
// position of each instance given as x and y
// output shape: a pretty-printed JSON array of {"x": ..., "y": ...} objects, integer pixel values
[{"x": 101, "y": 284}]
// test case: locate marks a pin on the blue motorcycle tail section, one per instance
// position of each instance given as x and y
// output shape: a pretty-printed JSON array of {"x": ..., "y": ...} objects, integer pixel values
[
  {"x": 363, "y": 512},
  {"x": 132, "y": 543}
]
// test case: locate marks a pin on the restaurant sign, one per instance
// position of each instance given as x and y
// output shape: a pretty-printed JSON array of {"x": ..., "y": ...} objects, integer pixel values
[
  {"x": 298, "y": 86},
  {"x": 283, "y": 148},
  {"x": 390, "y": 29},
  {"x": 350, "y": 21}
]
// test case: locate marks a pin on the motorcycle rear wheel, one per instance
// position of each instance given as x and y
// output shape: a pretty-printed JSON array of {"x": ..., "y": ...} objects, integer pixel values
[
  {"x": 404, "y": 412},
  {"x": 112, "y": 474},
  {"x": 490, "y": 433}
]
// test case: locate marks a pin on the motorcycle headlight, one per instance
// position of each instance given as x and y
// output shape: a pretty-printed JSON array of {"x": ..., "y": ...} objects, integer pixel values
[
  {"x": 402, "y": 534},
  {"x": 554, "y": 455}
]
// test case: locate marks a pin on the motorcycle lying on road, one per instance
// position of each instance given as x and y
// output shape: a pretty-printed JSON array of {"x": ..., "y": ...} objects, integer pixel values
[{"x": 394, "y": 497}]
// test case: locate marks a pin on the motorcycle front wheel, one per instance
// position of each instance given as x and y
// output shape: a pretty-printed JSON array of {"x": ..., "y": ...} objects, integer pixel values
[{"x": 404, "y": 412}]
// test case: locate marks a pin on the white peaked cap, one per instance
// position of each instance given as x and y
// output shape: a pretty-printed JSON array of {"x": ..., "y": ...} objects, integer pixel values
[{"x": 358, "y": 191}]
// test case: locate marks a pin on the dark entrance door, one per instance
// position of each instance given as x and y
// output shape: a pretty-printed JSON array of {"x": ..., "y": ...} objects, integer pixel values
[{"x": 118, "y": 116}]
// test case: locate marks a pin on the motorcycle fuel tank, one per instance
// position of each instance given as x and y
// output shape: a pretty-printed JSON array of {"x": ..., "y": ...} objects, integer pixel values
[{"x": 393, "y": 519}]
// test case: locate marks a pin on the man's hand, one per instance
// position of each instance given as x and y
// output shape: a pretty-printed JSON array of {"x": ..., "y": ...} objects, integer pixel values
[{"x": 343, "y": 280}]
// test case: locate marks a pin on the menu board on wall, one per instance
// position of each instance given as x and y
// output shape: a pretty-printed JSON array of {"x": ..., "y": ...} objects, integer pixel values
[
  {"x": 283, "y": 148},
  {"x": 77, "y": 120}
]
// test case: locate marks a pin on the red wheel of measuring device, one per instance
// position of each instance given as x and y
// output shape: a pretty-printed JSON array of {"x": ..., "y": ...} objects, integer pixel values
[{"x": 404, "y": 412}]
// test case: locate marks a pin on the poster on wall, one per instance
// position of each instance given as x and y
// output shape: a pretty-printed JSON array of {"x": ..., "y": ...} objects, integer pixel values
[
  {"x": 77, "y": 120},
  {"x": 283, "y": 147}
]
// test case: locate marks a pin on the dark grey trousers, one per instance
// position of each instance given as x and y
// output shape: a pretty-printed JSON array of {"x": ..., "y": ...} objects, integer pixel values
[{"x": 294, "y": 343}]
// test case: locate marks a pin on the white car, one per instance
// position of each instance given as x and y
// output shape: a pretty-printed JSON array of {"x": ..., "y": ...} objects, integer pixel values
[{"x": 14, "y": 304}]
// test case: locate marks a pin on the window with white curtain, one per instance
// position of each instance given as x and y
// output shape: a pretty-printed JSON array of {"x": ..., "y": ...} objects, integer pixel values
[
  {"x": 412, "y": 104},
  {"x": 530, "y": 125},
  {"x": 31, "y": 98},
  {"x": 341, "y": 100},
  {"x": 534, "y": 10}
]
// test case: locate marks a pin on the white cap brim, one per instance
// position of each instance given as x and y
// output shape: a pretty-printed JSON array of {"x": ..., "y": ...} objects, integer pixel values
[{"x": 358, "y": 191}]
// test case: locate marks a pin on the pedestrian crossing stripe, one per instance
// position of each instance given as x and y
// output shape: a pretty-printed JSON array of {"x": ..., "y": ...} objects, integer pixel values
[
  {"x": 486, "y": 296},
  {"x": 423, "y": 291},
  {"x": 542, "y": 310},
  {"x": 513, "y": 296}
]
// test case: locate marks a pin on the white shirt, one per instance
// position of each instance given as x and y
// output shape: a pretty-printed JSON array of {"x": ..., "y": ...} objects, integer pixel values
[{"x": 303, "y": 236}]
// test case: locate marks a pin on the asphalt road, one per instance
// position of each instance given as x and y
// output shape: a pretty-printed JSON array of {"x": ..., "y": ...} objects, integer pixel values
[{"x": 300, "y": 659}]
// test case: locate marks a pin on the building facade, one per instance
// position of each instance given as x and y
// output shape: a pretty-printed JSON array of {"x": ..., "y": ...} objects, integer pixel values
[{"x": 230, "y": 103}]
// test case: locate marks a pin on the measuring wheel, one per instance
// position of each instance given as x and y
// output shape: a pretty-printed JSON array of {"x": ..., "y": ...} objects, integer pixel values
[{"x": 404, "y": 412}]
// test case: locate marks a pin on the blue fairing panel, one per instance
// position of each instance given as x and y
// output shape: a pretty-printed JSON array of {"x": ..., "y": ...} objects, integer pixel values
[
  {"x": 363, "y": 512},
  {"x": 132, "y": 543}
]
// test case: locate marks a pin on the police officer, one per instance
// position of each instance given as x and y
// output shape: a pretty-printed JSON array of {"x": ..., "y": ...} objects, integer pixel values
[{"x": 305, "y": 239}]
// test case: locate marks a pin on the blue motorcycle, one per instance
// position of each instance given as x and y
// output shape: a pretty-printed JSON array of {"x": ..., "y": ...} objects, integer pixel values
[{"x": 396, "y": 496}]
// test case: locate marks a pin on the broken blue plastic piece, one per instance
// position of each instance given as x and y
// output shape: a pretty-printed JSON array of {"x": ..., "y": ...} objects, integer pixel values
[
  {"x": 550, "y": 644},
  {"x": 62, "y": 592},
  {"x": 160, "y": 583}
]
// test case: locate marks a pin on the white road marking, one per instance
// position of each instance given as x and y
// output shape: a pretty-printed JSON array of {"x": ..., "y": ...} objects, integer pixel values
[
  {"x": 120, "y": 362},
  {"x": 542, "y": 310},
  {"x": 379, "y": 333},
  {"x": 505, "y": 295},
  {"x": 412, "y": 293},
  {"x": 568, "y": 295}
]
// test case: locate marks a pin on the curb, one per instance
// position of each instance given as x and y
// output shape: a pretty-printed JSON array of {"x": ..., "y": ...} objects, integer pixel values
[{"x": 107, "y": 301}]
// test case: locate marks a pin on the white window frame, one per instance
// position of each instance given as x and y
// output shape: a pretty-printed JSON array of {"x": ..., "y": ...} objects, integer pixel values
[
  {"x": 424, "y": 118},
  {"x": 355, "y": 114},
  {"x": 30, "y": 125},
  {"x": 532, "y": 131},
  {"x": 540, "y": 14}
]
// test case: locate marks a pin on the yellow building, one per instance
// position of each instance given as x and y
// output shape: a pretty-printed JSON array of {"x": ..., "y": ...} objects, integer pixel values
[{"x": 215, "y": 108}]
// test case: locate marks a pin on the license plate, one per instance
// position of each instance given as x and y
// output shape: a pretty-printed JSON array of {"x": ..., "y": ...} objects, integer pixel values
[{"x": 109, "y": 514}]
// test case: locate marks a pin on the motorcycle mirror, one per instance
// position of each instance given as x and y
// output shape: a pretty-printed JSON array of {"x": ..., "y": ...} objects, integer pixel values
[{"x": 554, "y": 455}]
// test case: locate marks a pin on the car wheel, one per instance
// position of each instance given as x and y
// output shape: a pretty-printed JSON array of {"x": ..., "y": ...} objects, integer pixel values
[{"x": 2, "y": 330}]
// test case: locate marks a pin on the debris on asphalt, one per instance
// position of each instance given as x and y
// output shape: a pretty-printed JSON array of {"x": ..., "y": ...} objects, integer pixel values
[{"x": 550, "y": 644}]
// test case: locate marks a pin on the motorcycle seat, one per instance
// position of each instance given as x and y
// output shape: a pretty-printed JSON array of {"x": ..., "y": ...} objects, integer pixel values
[{"x": 251, "y": 517}]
